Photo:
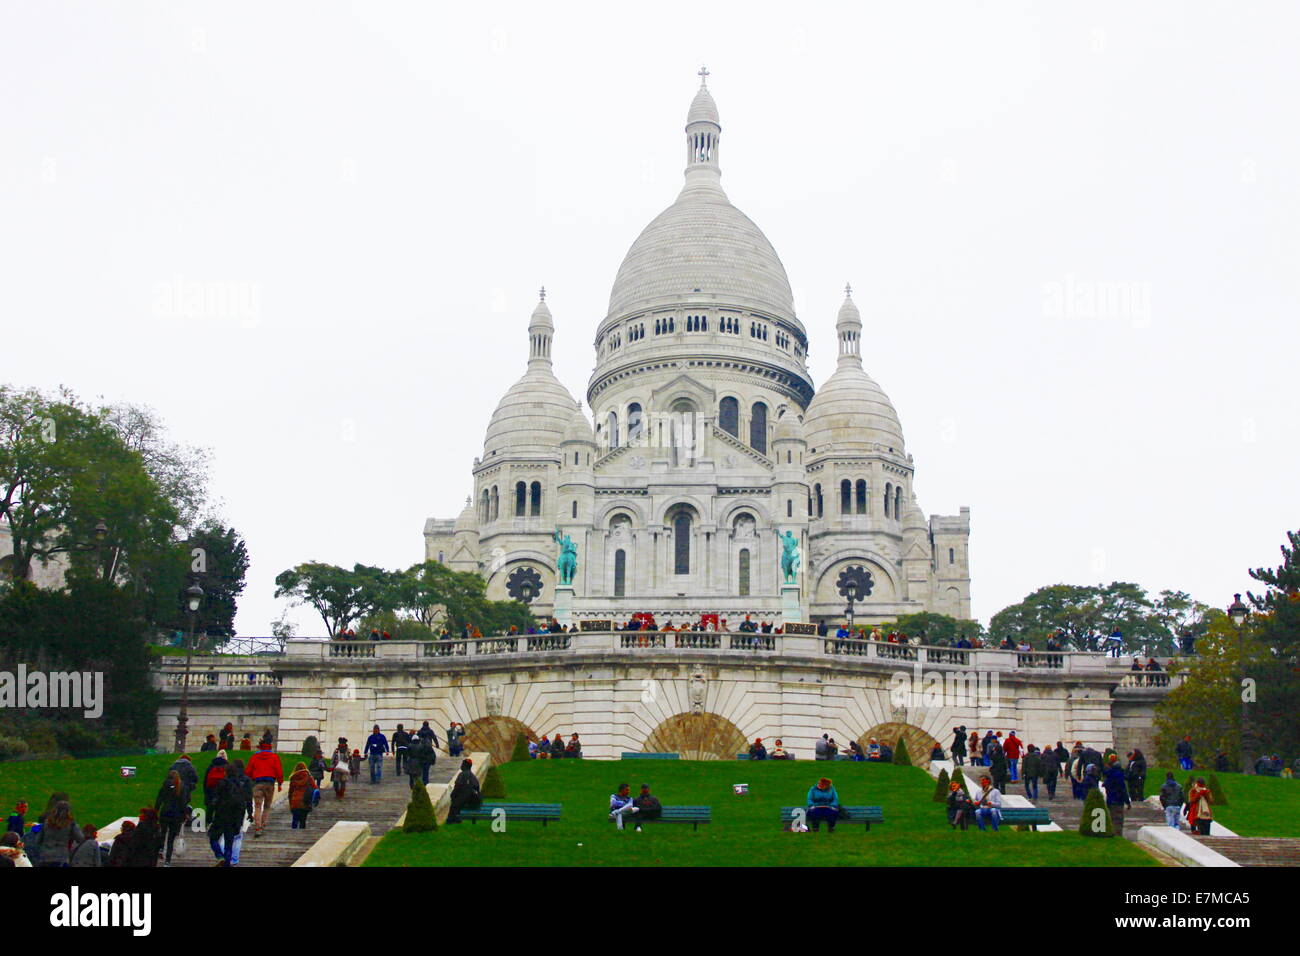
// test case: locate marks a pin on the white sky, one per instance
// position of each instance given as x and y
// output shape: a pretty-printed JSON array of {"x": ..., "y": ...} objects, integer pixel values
[{"x": 392, "y": 182}]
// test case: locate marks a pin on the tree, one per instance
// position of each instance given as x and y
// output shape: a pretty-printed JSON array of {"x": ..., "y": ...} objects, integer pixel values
[
  {"x": 520, "y": 749},
  {"x": 961, "y": 779},
  {"x": 1182, "y": 618},
  {"x": 941, "y": 787},
  {"x": 420, "y": 817},
  {"x": 494, "y": 787},
  {"x": 1279, "y": 606},
  {"x": 338, "y": 595},
  {"x": 901, "y": 756},
  {"x": 1218, "y": 796},
  {"x": 500, "y": 616},
  {"x": 1095, "y": 821},
  {"x": 1085, "y": 616},
  {"x": 934, "y": 628},
  {"x": 437, "y": 596},
  {"x": 309, "y": 746}
]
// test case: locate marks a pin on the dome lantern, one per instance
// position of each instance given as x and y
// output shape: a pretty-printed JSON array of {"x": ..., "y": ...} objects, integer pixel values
[
  {"x": 541, "y": 329},
  {"x": 848, "y": 329},
  {"x": 703, "y": 132}
]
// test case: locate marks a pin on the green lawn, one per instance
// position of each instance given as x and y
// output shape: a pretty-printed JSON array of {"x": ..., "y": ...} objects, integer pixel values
[
  {"x": 99, "y": 794},
  {"x": 745, "y": 829},
  {"x": 1257, "y": 806}
]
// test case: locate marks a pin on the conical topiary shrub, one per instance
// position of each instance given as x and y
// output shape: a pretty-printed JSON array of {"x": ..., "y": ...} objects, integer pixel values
[
  {"x": 521, "y": 749},
  {"x": 419, "y": 812},
  {"x": 493, "y": 786},
  {"x": 310, "y": 746},
  {"x": 901, "y": 756},
  {"x": 1095, "y": 820},
  {"x": 1218, "y": 796},
  {"x": 941, "y": 787},
  {"x": 961, "y": 779}
]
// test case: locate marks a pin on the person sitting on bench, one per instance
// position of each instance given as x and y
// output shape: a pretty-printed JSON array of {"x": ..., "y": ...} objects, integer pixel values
[
  {"x": 960, "y": 806},
  {"x": 988, "y": 802},
  {"x": 621, "y": 804},
  {"x": 779, "y": 752},
  {"x": 464, "y": 792},
  {"x": 647, "y": 805},
  {"x": 756, "y": 750},
  {"x": 823, "y": 805}
]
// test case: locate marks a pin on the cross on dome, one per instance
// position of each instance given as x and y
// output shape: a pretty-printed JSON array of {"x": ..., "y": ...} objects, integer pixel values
[
  {"x": 543, "y": 293},
  {"x": 703, "y": 75},
  {"x": 848, "y": 290}
]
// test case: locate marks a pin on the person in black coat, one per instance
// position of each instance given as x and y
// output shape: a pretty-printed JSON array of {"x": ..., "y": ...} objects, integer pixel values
[
  {"x": 464, "y": 792},
  {"x": 1050, "y": 764},
  {"x": 1136, "y": 773},
  {"x": 959, "y": 745},
  {"x": 234, "y": 804}
]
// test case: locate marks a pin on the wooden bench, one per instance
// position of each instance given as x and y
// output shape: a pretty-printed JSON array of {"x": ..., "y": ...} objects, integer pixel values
[
  {"x": 514, "y": 811},
  {"x": 864, "y": 815},
  {"x": 692, "y": 815},
  {"x": 640, "y": 756},
  {"x": 1031, "y": 817}
]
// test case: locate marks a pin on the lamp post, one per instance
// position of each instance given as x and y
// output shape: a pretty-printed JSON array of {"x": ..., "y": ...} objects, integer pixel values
[
  {"x": 193, "y": 597},
  {"x": 1239, "y": 612}
]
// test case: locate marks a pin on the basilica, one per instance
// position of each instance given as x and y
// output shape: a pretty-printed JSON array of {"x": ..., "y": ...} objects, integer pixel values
[{"x": 711, "y": 454}]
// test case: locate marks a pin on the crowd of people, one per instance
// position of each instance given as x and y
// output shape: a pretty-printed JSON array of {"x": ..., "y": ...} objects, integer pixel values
[{"x": 555, "y": 748}]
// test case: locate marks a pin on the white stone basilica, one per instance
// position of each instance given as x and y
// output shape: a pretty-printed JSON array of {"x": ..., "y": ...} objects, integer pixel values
[{"x": 709, "y": 442}]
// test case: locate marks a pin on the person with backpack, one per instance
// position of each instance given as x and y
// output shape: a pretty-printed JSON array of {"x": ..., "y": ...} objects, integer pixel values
[
  {"x": 1171, "y": 799},
  {"x": 303, "y": 793},
  {"x": 401, "y": 744},
  {"x": 215, "y": 773},
  {"x": 173, "y": 806},
  {"x": 88, "y": 852},
  {"x": 233, "y": 805},
  {"x": 59, "y": 831},
  {"x": 1200, "y": 807},
  {"x": 340, "y": 768}
]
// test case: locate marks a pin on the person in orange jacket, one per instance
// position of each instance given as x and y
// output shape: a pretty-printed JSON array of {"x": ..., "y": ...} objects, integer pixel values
[{"x": 267, "y": 774}]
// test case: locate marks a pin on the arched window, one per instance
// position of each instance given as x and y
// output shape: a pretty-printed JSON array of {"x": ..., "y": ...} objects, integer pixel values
[
  {"x": 846, "y": 497},
  {"x": 817, "y": 498},
  {"x": 575, "y": 509},
  {"x": 743, "y": 573},
  {"x": 442, "y": 557},
  {"x": 898, "y": 503},
  {"x": 613, "y": 430},
  {"x": 485, "y": 507},
  {"x": 951, "y": 556},
  {"x": 729, "y": 416},
  {"x": 861, "y": 495},
  {"x": 682, "y": 543},
  {"x": 789, "y": 507},
  {"x": 536, "y": 508},
  {"x": 634, "y": 427},
  {"x": 758, "y": 428},
  {"x": 521, "y": 499},
  {"x": 495, "y": 507},
  {"x": 889, "y": 489},
  {"x": 620, "y": 573}
]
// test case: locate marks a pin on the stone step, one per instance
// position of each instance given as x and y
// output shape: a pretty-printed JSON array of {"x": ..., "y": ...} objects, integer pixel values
[{"x": 1255, "y": 851}]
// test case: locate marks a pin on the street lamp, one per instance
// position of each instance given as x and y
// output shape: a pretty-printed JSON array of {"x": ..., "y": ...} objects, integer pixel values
[
  {"x": 193, "y": 598},
  {"x": 1238, "y": 612}
]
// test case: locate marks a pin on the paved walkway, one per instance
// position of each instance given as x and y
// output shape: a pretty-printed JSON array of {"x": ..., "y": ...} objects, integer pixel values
[
  {"x": 377, "y": 804},
  {"x": 1256, "y": 851}
]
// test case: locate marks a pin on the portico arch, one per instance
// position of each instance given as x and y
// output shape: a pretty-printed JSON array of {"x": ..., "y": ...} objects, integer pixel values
[
  {"x": 495, "y": 735},
  {"x": 697, "y": 736},
  {"x": 919, "y": 743}
]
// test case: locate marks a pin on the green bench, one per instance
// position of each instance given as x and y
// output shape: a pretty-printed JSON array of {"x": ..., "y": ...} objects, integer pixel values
[
  {"x": 514, "y": 811},
  {"x": 640, "y": 756},
  {"x": 1030, "y": 817},
  {"x": 863, "y": 815},
  {"x": 692, "y": 815}
]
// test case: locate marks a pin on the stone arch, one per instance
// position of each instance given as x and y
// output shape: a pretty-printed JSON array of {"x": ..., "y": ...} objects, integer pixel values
[
  {"x": 702, "y": 736},
  {"x": 919, "y": 743},
  {"x": 495, "y": 735}
]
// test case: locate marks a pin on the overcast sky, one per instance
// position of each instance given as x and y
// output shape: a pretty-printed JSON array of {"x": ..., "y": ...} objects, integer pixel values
[{"x": 1073, "y": 231}]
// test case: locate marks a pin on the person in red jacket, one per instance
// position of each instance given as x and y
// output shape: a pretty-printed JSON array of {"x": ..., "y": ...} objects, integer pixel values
[
  {"x": 1012, "y": 747},
  {"x": 267, "y": 773}
]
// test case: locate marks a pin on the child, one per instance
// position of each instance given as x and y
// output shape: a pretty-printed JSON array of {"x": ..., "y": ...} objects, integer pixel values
[
  {"x": 17, "y": 819},
  {"x": 246, "y": 743},
  {"x": 354, "y": 765},
  {"x": 317, "y": 768},
  {"x": 339, "y": 768}
]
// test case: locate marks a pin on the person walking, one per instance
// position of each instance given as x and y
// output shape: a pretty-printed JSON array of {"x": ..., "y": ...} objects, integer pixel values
[
  {"x": 1136, "y": 771},
  {"x": 232, "y": 806},
  {"x": 340, "y": 764},
  {"x": 1050, "y": 769},
  {"x": 401, "y": 744},
  {"x": 1200, "y": 807},
  {"x": 303, "y": 793},
  {"x": 1063, "y": 756},
  {"x": 173, "y": 806},
  {"x": 1171, "y": 799},
  {"x": 1013, "y": 747},
  {"x": 1032, "y": 768},
  {"x": 267, "y": 774},
  {"x": 1184, "y": 752},
  {"x": 973, "y": 742},
  {"x": 959, "y": 745},
  {"x": 376, "y": 747},
  {"x": 1117, "y": 799}
]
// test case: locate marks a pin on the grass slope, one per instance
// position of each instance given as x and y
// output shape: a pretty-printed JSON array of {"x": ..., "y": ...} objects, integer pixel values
[
  {"x": 745, "y": 829},
  {"x": 1257, "y": 806},
  {"x": 99, "y": 795}
]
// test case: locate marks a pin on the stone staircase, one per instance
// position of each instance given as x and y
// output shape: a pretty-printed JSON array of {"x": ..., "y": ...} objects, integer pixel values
[
  {"x": 380, "y": 805},
  {"x": 1066, "y": 811},
  {"x": 1255, "y": 851}
]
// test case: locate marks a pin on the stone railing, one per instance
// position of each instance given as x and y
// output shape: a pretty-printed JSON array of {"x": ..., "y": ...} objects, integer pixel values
[
  {"x": 632, "y": 644},
  {"x": 1150, "y": 680},
  {"x": 174, "y": 676}
]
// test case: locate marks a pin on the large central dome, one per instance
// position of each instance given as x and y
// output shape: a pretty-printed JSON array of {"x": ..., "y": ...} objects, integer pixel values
[{"x": 702, "y": 249}]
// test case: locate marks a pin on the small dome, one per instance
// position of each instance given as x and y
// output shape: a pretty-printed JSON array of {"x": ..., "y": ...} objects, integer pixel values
[
  {"x": 849, "y": 314},
  {"x": 851, "y": 413},
  {"x": 468, "y": 520},
  {"x": 913, "y": 520},
  {"x": 579, "y": 429},
  {"x": 789, "y": 427},
  {"x": 532, "y": 417},
  {"x": 703, "y": 109},
  {"x": 541, "y": 318}
]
